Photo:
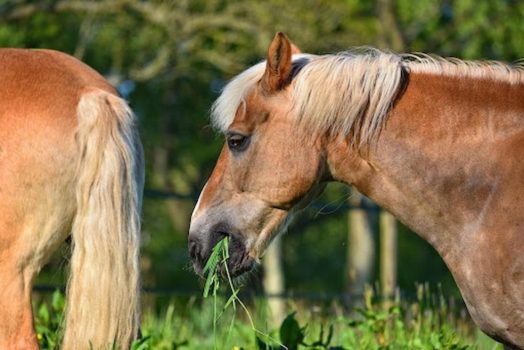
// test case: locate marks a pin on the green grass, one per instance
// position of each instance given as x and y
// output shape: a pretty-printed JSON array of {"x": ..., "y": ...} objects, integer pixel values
[
  {"x": 183, "y": 325},
  {"x": 216, "y": 270},
  {"x": 218, "y": 323}
]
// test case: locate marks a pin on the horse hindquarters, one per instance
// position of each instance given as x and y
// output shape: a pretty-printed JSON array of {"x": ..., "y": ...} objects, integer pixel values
[
  {"x": 37, "y": 207},
  {"x": 103, "y": 295}
]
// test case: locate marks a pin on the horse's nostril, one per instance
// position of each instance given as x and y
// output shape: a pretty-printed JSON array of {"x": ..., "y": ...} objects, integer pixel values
[{"x": 194, "y": 248}]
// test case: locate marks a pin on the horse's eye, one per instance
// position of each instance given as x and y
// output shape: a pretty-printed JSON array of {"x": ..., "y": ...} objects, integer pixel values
[{"x": 237, "y": 142}]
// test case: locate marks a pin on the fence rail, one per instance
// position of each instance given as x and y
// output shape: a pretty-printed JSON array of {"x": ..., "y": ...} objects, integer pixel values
[{"x": 288, "y": 295}]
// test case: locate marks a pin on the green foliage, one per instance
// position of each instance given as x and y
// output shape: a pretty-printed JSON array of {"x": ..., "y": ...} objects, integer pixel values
[
  {"x": 386, "y": 329},
  {"x": 160, "y": 333},
  {"x": 403, "y": 326},
  {"x": 468, "y": 28},
  {"x": 48, "y": 321},
  {"x": 292, "y": 336}
]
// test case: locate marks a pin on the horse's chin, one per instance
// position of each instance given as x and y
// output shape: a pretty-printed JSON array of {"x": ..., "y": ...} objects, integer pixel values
[{"x": 242, "y": 268}]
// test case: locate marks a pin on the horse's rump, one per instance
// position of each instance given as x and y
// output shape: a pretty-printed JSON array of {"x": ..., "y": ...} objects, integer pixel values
[{"x": 70, "y": 161}]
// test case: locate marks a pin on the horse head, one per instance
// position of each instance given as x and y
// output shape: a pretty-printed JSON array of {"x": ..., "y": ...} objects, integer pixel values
[{"x": 267, "y": 168}]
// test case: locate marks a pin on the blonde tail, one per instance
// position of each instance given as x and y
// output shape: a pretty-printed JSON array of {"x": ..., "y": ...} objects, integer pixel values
[{"x": 103, "y": 289}]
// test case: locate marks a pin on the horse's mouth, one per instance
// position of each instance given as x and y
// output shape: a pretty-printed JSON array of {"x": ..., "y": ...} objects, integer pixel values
[{"x": 237, "y": 264}]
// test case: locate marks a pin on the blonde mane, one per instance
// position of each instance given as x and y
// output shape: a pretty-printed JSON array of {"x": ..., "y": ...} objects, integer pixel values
[{"x": 352, "y": 92}]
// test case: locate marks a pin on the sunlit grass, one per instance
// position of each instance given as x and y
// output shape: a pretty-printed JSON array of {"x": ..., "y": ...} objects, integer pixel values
[{"x": 219, "y": 322}]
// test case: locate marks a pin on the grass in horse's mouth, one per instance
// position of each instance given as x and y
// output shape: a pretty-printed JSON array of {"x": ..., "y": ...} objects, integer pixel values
[{"x": 215, "y": 268}]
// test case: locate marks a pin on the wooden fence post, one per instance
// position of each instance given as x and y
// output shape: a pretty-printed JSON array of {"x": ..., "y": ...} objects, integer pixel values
[
  {"x": 274, "y": 281},
  {"x": 360, "y": 251},
  {"x": 388, "y": 256},
  {"x": 391, "y": 37}
]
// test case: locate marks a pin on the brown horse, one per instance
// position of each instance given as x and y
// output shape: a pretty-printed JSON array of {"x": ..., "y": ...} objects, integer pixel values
[
  {"x": 70, "y": 161},
  {"x": 437, "y": 142}
]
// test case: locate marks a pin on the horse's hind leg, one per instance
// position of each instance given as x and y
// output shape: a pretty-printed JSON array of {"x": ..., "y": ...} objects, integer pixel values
[
  {"x": 20, "y": 262},
  {"x": 27, "y": 239},
  {"x": 16, "y": 323},
  {"x": 16, "y": 317}
]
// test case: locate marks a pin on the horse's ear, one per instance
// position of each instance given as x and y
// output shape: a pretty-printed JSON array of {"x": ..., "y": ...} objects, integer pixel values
[{"x": 278, "y": 66}]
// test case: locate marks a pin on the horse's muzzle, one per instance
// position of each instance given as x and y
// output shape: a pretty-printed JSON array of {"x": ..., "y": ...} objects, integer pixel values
[{"x": 201, "y": 243}]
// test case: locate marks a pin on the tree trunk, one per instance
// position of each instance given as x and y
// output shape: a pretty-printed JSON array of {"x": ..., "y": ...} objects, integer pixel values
[{"x": 390, "y": 34}]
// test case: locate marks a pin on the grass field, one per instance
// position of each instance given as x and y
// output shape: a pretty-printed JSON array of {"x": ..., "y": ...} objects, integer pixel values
[
  {"x": 220, "y": 320},
  {"x": 425, "y": 323}
]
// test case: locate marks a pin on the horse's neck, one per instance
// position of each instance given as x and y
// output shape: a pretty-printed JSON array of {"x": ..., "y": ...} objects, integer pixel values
[
  {"x": 437, "y": 165},
  {"x": 448, "y": 164}
]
